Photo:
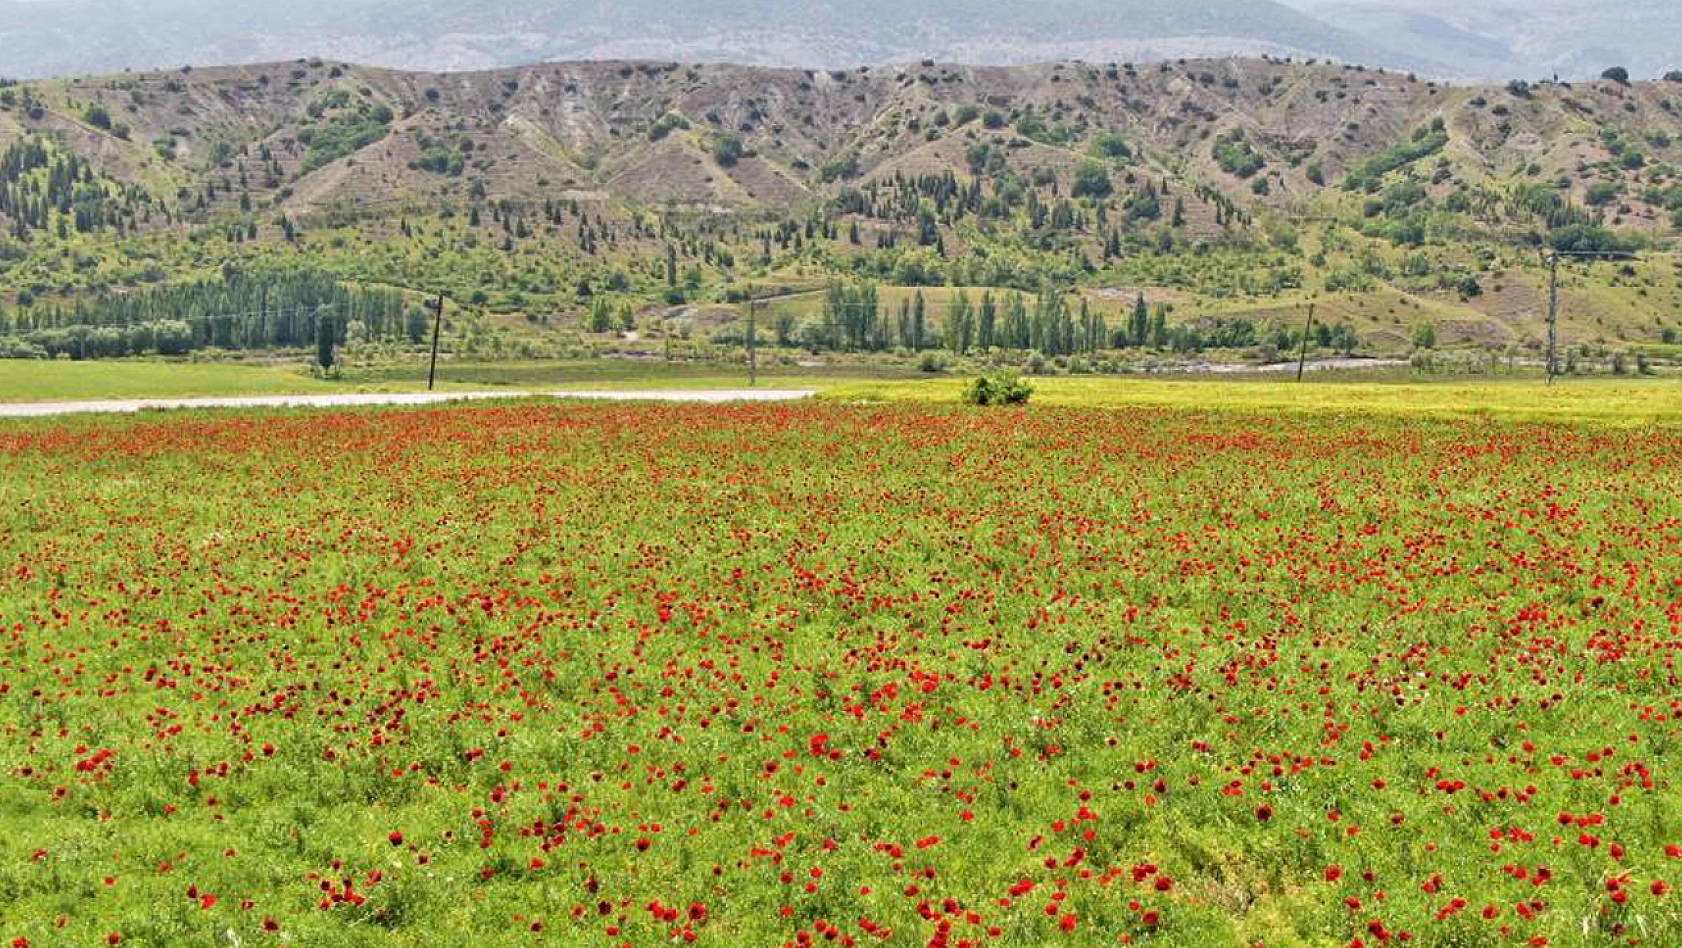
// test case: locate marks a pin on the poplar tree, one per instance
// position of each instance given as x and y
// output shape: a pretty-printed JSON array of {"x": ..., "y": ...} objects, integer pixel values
[
  {"x": 1138, "y": 329},
  {"x": 986, "y": 327},
  {"x": 324, "y": 331},
  {"x": 960, "y": 324}
]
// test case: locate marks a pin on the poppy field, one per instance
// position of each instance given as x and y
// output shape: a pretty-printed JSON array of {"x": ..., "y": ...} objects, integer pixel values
[{"x": 822, "y": 674}]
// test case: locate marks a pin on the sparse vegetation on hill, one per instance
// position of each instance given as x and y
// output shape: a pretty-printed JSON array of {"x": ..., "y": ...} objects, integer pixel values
[
  {"x": 535, "y": 198},
  {"x": 1424, "y": 143}
]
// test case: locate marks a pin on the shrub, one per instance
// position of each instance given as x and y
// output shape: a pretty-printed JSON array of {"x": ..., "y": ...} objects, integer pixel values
[
  {"x": 1003, "y": 389},
  {"x": 727, "y": 150},
  {"x": 1236, "y": 157},
  {"x": 844, "y": 165},
  {"x": 20, "y": 349},
  {"x": 665, "y": 125},
  {"x": 1602, "y": 193},
  {"x": 1111, "y": 147},
  {"x": 337, "y": 138},
  {"x": 440, "y": 160},
  {"x": 1589, "y": 239},
  {"x": 1091, "y": 180}
]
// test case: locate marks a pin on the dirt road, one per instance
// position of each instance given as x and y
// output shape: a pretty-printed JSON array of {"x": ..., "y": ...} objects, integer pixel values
[{"x": 348, "y": 399}]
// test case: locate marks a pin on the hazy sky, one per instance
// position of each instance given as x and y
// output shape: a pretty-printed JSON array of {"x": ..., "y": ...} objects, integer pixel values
[
  {"x": 1463, "y": 39},
  {"x": 1441, "y": 7}
]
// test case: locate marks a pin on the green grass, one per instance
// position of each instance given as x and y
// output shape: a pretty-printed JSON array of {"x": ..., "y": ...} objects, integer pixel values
[
  {"x": 41, "y": 381},
  {"x": 37, "y": 381},
  {"x": 624, "y": 374},
  {"x": 533, "y": 674},
  {"x": 1525, "y": 398}
]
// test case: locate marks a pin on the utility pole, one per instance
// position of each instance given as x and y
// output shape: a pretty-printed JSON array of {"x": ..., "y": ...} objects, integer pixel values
[
  {"x": 437, "y": 328},
  {"x": 1308, "y": 327},
  {"x": 1553, "y": 316},
  {"x": 1553, "y": 257},
  {"x": 753, "y": 357}
]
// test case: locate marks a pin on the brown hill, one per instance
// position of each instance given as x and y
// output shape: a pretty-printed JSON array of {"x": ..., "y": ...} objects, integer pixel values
[{"x": 309, "y": 135}]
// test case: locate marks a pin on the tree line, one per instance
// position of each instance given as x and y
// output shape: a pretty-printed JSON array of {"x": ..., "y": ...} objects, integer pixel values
[
  {"x": 233, "y": 311},
  {"x": 855, "y": 318}
]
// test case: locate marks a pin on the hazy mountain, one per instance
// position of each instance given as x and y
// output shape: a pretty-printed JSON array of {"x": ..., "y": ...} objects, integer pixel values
[
  {"x": 1475, "y": 39},
  {"x": 1498, "y": 39},
  {"x": 62, "y": 37}
]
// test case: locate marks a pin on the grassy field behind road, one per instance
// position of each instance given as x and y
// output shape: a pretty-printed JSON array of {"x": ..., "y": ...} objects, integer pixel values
[
  {"x": 32, "y": 381},
  {"x": 41, "y": 381},
  {"x": 1615, "y": 401}
]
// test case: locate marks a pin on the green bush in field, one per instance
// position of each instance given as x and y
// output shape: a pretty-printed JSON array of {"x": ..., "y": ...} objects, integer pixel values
[{"x": 1000, "y": 389}]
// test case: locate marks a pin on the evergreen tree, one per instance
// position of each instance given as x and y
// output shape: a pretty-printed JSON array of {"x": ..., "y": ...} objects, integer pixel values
[
  {"x": 1159, "y": 326},
  {"x": 918, "y": 322},
  {"x": 873, "y": 326},
  {"x": 834, "y": 312},
  {"x": 601, "y": 316},
  {"x": 324, "y": 340},
  {"x": 1018, "y": 333},
  {"x": 1138, "y": 329},
  {"x": 960, "y": 324},
  {"x": 1092, "y": 325},
  {"x": 1052, "y": 332}
]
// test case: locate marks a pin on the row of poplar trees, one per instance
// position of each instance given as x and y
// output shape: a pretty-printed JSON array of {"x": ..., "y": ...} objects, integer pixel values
[
  {"x": 236, "y": 310},
  {"x": 854, "y": 318}
]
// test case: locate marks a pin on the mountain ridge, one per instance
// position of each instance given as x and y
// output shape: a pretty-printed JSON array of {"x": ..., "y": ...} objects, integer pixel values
[
  {"x": 590, "y": 125},
  {"x": 46, "y": 38}
]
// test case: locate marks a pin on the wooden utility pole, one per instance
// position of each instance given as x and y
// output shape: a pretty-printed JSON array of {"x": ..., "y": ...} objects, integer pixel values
[
  {"x": 1307, "y": 329},
  {"x": 1553, "y": 257},
  {"x": 753, "y": 356},
  {"x": 437, "y": 329},
  {"x": 1553, "y": 316}
]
